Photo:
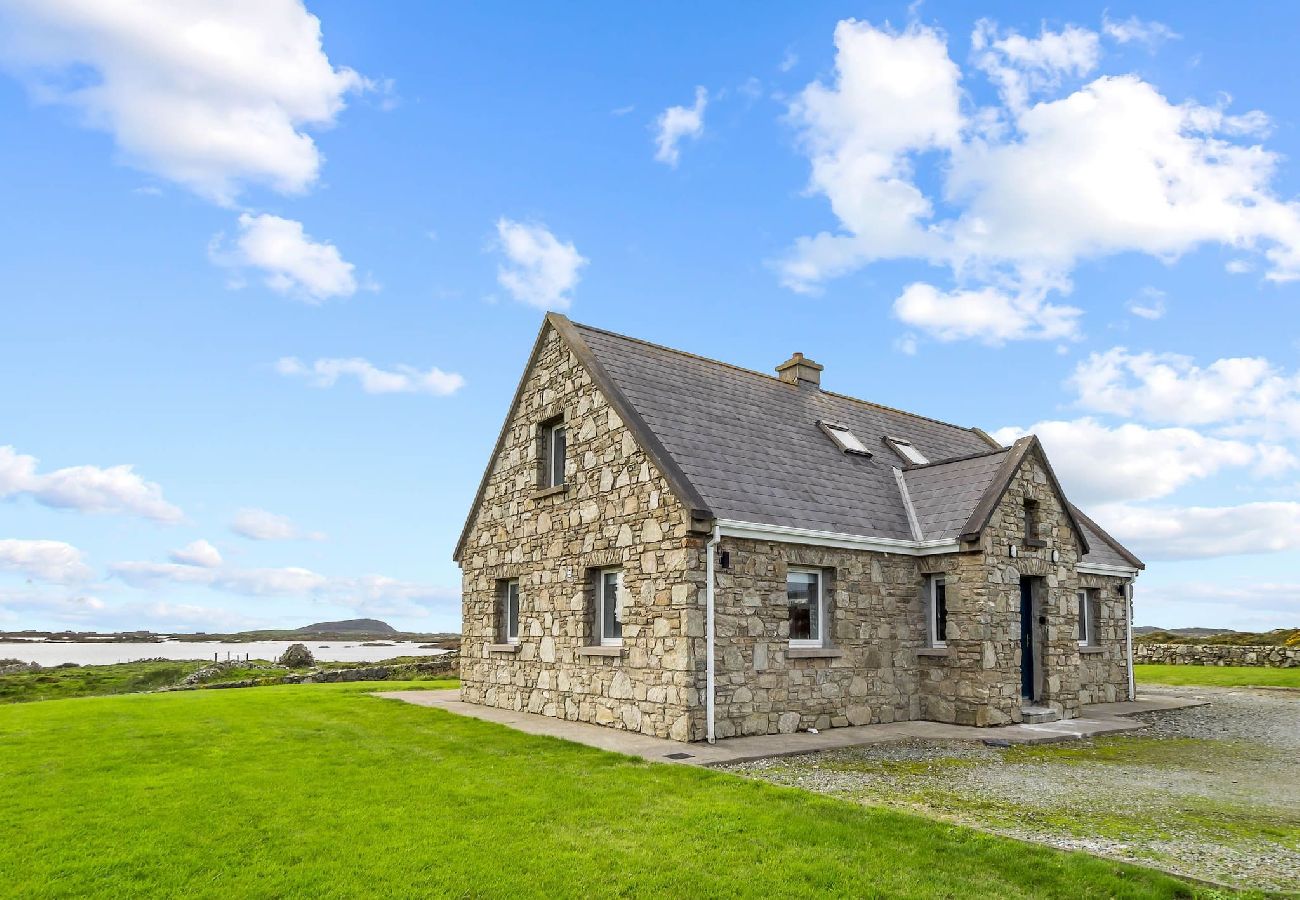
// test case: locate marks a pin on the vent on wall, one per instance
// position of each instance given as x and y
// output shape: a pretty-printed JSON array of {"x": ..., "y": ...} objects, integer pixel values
[{"x": 844, "y": 439}]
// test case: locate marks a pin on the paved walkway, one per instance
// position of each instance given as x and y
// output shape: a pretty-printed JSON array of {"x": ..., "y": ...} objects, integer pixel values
[{"x": 1101, "y": 718}]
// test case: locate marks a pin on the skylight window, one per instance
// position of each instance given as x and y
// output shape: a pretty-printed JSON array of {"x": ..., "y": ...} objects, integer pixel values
[
  {"x": 844, "y": 439},
  {"x": 907, "y": 451}
]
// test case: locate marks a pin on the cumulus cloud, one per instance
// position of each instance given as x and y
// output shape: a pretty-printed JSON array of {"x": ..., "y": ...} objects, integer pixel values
[
  {"x": 1133, "y": 29},
  {"x": 1047, "y": 178},
  {"x": 401, "y": 379},
  {"x": 1242, "y": 395},
  {"x": 290, "y": 260},
  {"x": 377, "y": 594},
  {"x": 261, "y": 525},
  {"x": 21, "y": 604},
  {"x": 197, "y": 553},
  {"x": 1201, "y": 532},
  {"x": 1243, "y": 602},
  {"x": 52, "y": 561},
  {"x": 985, "y": 314},
  {"x": 538, "y": 269},
  {"x": 115, "y": 489},
  {"x": 1098, "y": 464},
  {"x": 678, "y": 123},
  {"x": 1148, "y": 304},
  {"x": 210, "y": 94}
]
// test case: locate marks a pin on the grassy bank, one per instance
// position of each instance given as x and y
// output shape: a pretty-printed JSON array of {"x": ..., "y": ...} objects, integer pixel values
[
  {"x": 322, "y": 790},
  {"x": 1218, "y": 676}
]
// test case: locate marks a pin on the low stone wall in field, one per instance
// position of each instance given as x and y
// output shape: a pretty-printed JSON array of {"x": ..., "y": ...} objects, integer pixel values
[{"x": 1216, "y": 655}]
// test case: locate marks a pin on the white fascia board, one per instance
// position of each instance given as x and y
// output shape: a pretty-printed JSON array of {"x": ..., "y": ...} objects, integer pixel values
[
  {"x": 1103, "y": 569},
  {"x": 786, "y": 534}
]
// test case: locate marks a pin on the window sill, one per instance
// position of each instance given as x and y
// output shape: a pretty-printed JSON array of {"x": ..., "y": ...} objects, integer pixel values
[
  {"x": 813, "y": 653},
  {"x": 548, "y": 492},
  {"x": 932, "y": 651},
  {"x": 1090, "y": 648},
  {"x": 600, "y": 651},
  {"x": 502, "y": 648}
]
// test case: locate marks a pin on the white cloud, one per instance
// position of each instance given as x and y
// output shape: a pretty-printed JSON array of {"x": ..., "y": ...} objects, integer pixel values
[
  {"x": 1099, "y": 465},
  {"x": 52, "y": 561},
  {"x": 1031, "y": 187},
  {"x": 1152, "y": 34},
  {"x": 292, "y": 262},
  {"x": 401, "y": 379},
  {"x": 116, "y": 489},
  {"x": 377, "y": 594},
  {"x": 677, "y": 123},
  {"x": 261, "y": 525},
  {"x": 1243, "y": 602},
  {"x": 1200, "y": 532},
  {"x": 210, "y": 94},
  {"x": 1148, "y": 304},
  {"x": 42, "y": 601},
  {"x": 788, "y": 61},
  {"x": 538, "y": 269},
  {"x": 986, "y": 314},
  {"x": 1022, "y": 66},
  {"x": 1244, "y": 395},
  {"x": 197, "y": 553}
]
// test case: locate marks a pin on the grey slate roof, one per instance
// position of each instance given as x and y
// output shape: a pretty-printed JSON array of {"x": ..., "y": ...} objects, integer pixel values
[
  {"x": 742, "y": 445},
  {"x": 945, "y": 494},
  {"x": 750, "y": 443}
]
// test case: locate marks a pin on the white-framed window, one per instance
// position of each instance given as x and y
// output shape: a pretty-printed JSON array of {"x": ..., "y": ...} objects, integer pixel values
[
  {"x": 806, "y": 598},
  {"x": 938, "y": 612},
  {"x": 609, "y": 607},
  {"x": 509, "y": 597},
  {"x": 1086, "y": 637},
  {"x": 555, "y": 442}
]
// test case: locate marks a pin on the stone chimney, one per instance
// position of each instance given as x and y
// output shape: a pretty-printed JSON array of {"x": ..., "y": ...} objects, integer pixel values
[{"x": 798, "y": 369}]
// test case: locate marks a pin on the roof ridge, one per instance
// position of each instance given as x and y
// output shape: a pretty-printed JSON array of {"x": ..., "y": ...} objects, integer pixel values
[
  {"x": 733, "y": 366},
  {"x": 954, "y": 459}
]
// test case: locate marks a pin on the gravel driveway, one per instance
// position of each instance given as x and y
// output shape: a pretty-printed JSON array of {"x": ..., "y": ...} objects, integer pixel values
[{"x": 1212, "y": 791}]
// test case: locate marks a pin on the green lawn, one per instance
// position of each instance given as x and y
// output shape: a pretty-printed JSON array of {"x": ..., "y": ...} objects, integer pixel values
[
  {"x": 1218, "y": 676},
  {"x": 325, "y": 791}
]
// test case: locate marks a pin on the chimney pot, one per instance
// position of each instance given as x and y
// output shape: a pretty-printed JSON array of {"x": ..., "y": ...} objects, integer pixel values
[{"x": 799, "y": 368}]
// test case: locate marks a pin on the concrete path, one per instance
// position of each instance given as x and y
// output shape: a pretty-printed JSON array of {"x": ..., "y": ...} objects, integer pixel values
[{"x": 1101, "y": 718}]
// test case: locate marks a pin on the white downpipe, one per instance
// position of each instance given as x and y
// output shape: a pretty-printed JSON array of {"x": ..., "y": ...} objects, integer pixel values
[
  {"x": 708, "y": 630},
  {"x": 1128, "y": 639}
]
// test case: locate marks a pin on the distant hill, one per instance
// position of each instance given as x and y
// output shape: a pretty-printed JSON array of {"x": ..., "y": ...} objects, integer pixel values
[
  {"x": 1280, "y": 637},
  {"x": 1141, "y": 630},
  {"x": 348, "y": 626}
]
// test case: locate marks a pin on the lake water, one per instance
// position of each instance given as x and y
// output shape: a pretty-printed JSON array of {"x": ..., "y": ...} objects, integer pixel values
[{"x": 102, "y": 653}]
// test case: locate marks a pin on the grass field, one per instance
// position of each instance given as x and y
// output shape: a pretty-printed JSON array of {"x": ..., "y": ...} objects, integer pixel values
[
  {"x": 325, "y": 791},
  {"x": 1218, "y": 676},
  {"x": 89, "y": 681}
]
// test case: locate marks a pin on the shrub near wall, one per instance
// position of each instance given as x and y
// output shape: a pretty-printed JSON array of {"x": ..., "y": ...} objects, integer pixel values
[{"x": 1216, "y": 655}]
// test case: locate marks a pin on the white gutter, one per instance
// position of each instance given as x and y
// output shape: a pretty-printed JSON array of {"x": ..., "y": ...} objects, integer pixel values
[
  {"x": 708, "y": 630},
  {"x": 786, "y": 534},
  {"x": 1104, "y": 569},
  {"x": 1128, "y": 638}
]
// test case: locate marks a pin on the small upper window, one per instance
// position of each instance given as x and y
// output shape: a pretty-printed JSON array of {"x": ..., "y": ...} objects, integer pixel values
[
  {"x": 938, "y": 612},
  {"x": 844, "y": 439},
  {"x": 1031, "y": 525},
  {"x": 510, "y": 611},
  {"x": 555, "y": 441},
  {"x": 803, "y": 590},
  {"x": 907, "y": 451},
  {"x": 609, "y": 607}
]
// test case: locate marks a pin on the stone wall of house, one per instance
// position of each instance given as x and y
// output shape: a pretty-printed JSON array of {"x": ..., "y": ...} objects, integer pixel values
[
  {"x": 616, "y": 510},
  {"x": 1103, "y": 666},
  {"x": 1216, "y": 655},
  {"x": 876, "y": 626},
  {"x": 984, "y": 642}
]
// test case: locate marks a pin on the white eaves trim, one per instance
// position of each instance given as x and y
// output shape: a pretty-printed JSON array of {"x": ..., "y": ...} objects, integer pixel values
[
  {"x": 786, "y": 534},
  {"x": 1103, "y": 569}
]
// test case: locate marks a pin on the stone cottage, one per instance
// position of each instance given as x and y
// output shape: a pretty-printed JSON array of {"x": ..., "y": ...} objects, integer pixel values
[{"x": 677, "y": 546}]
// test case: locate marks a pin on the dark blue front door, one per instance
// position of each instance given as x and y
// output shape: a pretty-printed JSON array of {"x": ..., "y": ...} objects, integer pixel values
[{"x": 1026, "y": 639}]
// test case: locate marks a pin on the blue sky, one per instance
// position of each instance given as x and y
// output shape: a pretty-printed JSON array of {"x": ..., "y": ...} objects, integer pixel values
[{"x": 272, "y": 271}]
